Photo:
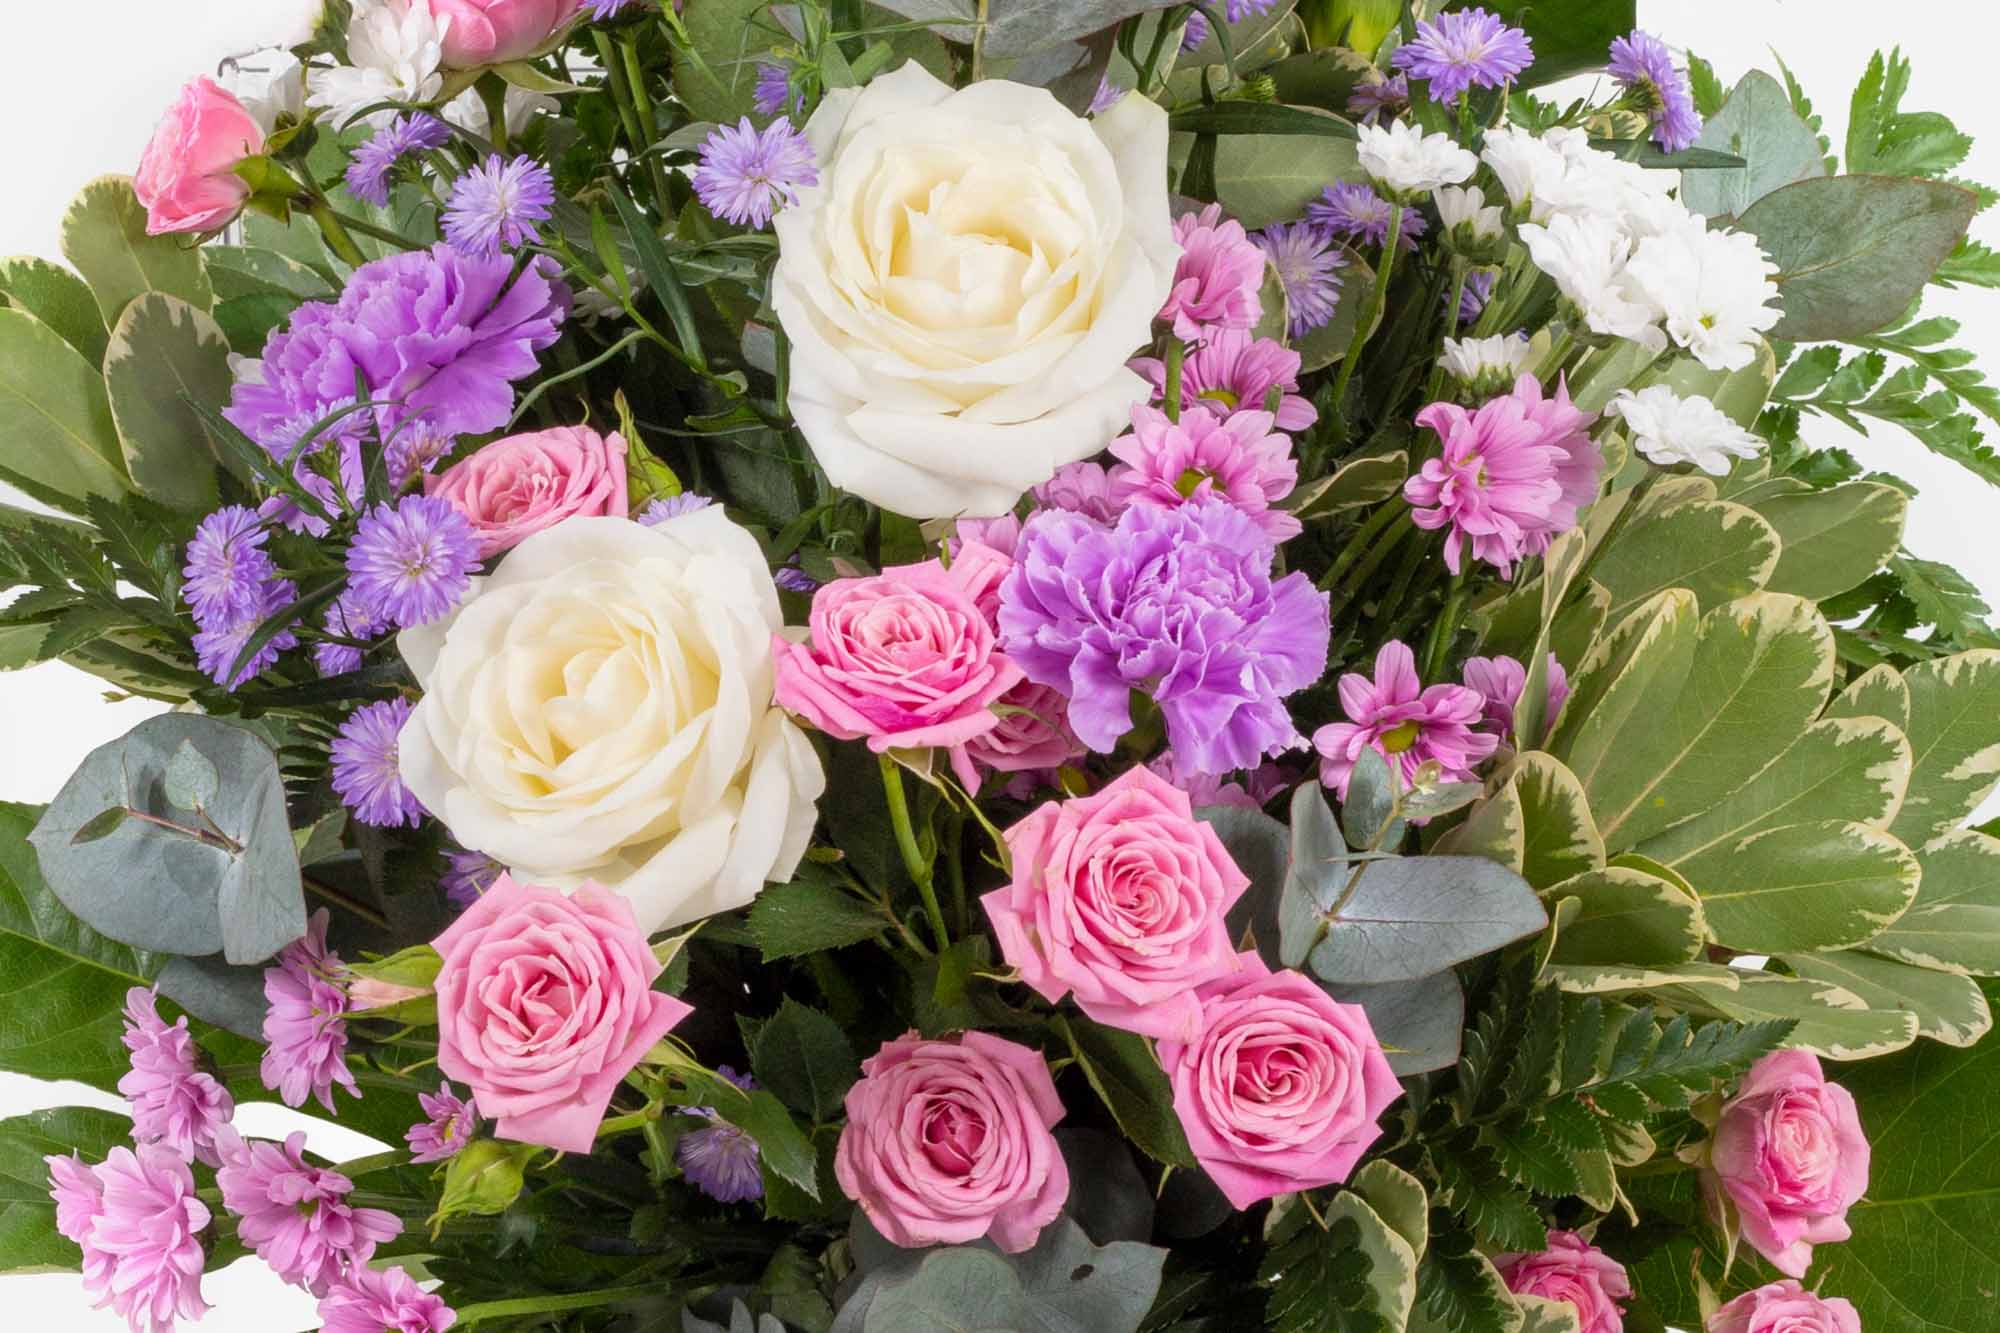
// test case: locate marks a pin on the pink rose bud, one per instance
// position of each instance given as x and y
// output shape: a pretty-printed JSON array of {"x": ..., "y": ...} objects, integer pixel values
[
  {"x": 491, "y": 32},
  {"x": 370, "y": 993},
  {"x": 514, "y": 488},
  {"x": 545, "y": 1003},
  {"x": 187, "y": 176},
  {"x": 1571, "y": 1269},
  {"x": 1281, "y": 1089},
  {"x": 948, "y": 1141},
  {"x": 1790, "y": 1156},
  {"x": 906, "y": 659},
  {"x": 1119, "y": 898},
  {"x": 1785, "y": 1307}
]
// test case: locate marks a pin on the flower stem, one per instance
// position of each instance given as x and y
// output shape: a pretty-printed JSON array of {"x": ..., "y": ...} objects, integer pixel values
[
  {"x": 619, "y": 1124},
  {"x": 1460, "y": 270},
  {"x": 906, "y": 843},
  {"x": 1378, "y": 300},
  {"x": 1444, "y": 629},
  {"x": 493, "y": 94},
  {"x": 555, "y": 1304},
  {"x": 979, "y": 42},
  {"x": 1170, "y": 393},
  {"x": 335, "y": 232},
  {"x": 1360, "y": 541}
]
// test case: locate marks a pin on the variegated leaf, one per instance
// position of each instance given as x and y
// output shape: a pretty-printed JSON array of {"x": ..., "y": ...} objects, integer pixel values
[
  {"x": 1811, "y": 886},
  {"x": 1954, "y": 742},
  {"x": 1950, "y": 1009},
  {"x": 1954, "y": 926},
  {"x": 1628, "y": 917}
]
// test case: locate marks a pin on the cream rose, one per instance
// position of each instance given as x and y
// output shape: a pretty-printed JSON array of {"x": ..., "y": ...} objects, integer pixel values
[
  {"x": 600, "y": 709},
  {"x": 963, "y": 287}
]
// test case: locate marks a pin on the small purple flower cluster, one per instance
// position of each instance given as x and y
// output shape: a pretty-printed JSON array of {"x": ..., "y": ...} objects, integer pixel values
[{"x": 746, "y": 174}]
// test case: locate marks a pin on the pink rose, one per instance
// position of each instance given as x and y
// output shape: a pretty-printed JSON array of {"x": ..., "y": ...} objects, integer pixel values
[
  {"x": 1785, "y": 1307},
  {"x": 1572, "y": 1269},
  {"x": 1033, "y": 734},
  {"x": 492, "y": 32},
  {"x": 545, "y": 1003},
  {"x": 513, "y": 488},
  {"x": 1281, "y": 1089},
  {"x": 187, "y": 176},
  {"x": 948, "y": 1141},
  {"x": 905, "y": 659},
  {"x": 1119, "y": 898},
  {"x": 1790, "y": 1156}
]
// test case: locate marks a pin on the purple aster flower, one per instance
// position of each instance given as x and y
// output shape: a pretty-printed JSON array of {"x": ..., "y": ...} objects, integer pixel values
[
  {"x": 1467, "y": 49},
  {"x": 1235, "y": 371},
  {"x": 794, "y": 579},
  {"x": 747, "y": 173},
  {"x": 467, "y": 874},
  {"x": 1238, "y": 10},
  {"x": 414, "y": 452},
  {"x": 433, "y": 335},
  {"x": 369, "y": 171},
  {"x": 227, "y": 567},
  {"x": 387, "y": 1300},
  {"x": 447, "y": 1127},
  {"x": 1376, "y": 97},
  {"x": 1403, "y": 722},
  {"x": 305, "y": 1028},
  {"x": 1108, "y": 95},
  {"x": 1238, "y": 458},
  {"x": 296, "y": 1216},
  {"x": 604, "y": 9},
  {"x": 672, "y": 506},
  {"x": 318, "y": 444},
  {"x": 1501, "y": 680},
  {"x": 1178, "y": 604},
  {"x": 173, "y": 1102},
  {"x": 1478, "y": 291},
  {"x": 217, "y": 647},
  {"x": 410, "y": 564},
  {"x": 496, "y": 206},
  {"x": 773, "y": 92},
  {"x": 365, "y": 773},
  {"x": 1308, "y": 265},
  {"x": 1353, "y": 212},
  {"x": 1196, "y": 32},
  {"x": 349, "y": 620},
  {"x": 721, "y": 1161},
  {"x": 1642, "y": 63}
]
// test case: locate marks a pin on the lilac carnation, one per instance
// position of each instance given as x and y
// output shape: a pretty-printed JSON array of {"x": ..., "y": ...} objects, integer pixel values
[
  {"x": 369, "y": 171},
  {"x": 435, "y": 336},
  {"x": 365, "y": 772},
  {"x": 173, "y": 1103},
  {"x": 139, "y": 1225},
  {"x": 388, "y": 1300},
  {"x": 447, "y": 1126},
  {"x": 1642, "y": 63},
  {"x": 467, "y": 875},
  {"x": 1467, "y": 49},
  {"x": 305, "y": 1027},
  {"x": 217, "y": 647},
  {"x": 1353, "y": 212},
  {"x": 1177, "y": 603},
  {"x": 296, "y": 1216},
  {"x": 746, "y": 174},
  {"x": 721, "y": 1160},
  {"x": 227, "y": 567},
  {"x": 1308, "y": 266},
  {"x": 499, "y": 206},
  {"x": 411, "y": 564},
  {"x": 1406, "y": 724}
]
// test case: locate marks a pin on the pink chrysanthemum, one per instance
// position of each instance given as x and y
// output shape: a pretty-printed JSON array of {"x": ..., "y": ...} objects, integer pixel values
[
  {"x": 1080, "y": 488},
  {"x": 1510, "y": 478},
  {"x": 1500, "y": 681},
  {"x": 138, "y": 1223},
  {"x": 173, "y": 1103},
  {"x": 388, "y": 1300},
  {"x": 1239, "y": 459},
  {"x": 1218, "y": 277},
  {"x": 448, "y": 1125},
  {"x": 1406, "y": 724},
  {"x": 1233, "y": 371},
  {"x": 305, "y": 1029},
  {"x": 295, "y": 1215}
]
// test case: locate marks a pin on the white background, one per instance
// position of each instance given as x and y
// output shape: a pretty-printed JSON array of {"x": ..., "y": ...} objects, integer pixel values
[{"x": 87, "y": 82}]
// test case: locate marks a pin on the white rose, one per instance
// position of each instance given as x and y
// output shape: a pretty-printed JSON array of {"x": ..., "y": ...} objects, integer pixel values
[
  {"x": 600, "y": 709},
  {"x": 963, "y": 287}
]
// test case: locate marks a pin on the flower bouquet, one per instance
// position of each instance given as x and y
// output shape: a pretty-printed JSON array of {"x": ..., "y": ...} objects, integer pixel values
[{"x": 1086, "y": 667}]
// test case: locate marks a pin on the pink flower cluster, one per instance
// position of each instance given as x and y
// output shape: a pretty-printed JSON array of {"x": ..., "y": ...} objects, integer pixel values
[
  {"x": 1239, "y": 458},
  {"x": 139, "y": 1225},
  {"x": 305, "y": 1028},
  {"x": 1218, "y": 278},
  {"x": 295, "y": 1215},
  {"x": 173, "y": 1102}
]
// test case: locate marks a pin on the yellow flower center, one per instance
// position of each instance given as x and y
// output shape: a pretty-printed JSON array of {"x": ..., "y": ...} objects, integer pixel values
[{"x": 1400, "y": 738}]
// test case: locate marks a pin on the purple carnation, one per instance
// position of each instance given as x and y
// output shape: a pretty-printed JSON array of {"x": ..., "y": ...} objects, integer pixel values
[
  {"x": 227, "y": 567},
  {"x": 1177, "y": 603},
  {"x": 1308, "y": 266},
  {"x": 746, "y": 173},
  {"x": 721, "y": 1161},
  {"x": 412, "y": 563},
  {"x": 499, "y": 205},
  {"x": 366, "y": 775},
  {"x": 435, "y": 336},
  {"x": 368, "y": 173},
  {"x": 1354, "y": 212},
  {"x": 217, "y": 646},
  {"x": 1467, "y": 49},
  {"x": 1642, "y": 63}
]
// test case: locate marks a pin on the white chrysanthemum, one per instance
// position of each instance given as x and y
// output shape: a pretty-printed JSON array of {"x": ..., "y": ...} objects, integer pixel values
[
  {"x": 1715, "y": 288},
  {"x": 1587, "y": 257},
  {"x": 1530, "y": 168},
  {"x": 394, "y": 48},
  {"x": 1406, "y": 161},
  {"x": 1560, "y": 172},
  {"x": 1670, "y": 429},
  {"x": 1478, "y": 361},
  {"x": 1466, "y": 207},
  {"x": 269, "y": 84}
]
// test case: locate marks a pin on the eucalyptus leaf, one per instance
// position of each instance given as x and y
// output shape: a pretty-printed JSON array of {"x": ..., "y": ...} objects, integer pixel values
[
  {"x": 1407, "y": 917},
  {"x": 104, "y": 238},
  {"x": 1418, "y": 1022},
  {"x": 1758, "y": 124},
  {"x": 1266, "y": 178}
]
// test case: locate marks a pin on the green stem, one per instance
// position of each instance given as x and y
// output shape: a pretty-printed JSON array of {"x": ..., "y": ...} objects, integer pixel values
[
  {"x": 1383, "y": 516},
  {"x": 619, "y": 1124},
  {"x": 1170, "y": 393},
  {"x": 493, "y": 94},
  {"x": 906, "y": 843},
  {"x": 1358, "y": 580},
  {"x": 576, "y": 1300},
  {"x": 614, "y": 70},
  {"x": 1444, "y": 629},
  {"x": 382, "y": 234},
  {"x": 533, "y": 395},
  {"x": 979, "y": 42},
  {"x": 345, "y": 903},
  {"x": 381, "y": 1161},
  {"x": 642, "y": 106},
  {"x": 334, "y": 230},
  {"x": 1378, "y": 300},
  {"x": 1460, "y": 269},
  {"x": 954, "y": 870}
]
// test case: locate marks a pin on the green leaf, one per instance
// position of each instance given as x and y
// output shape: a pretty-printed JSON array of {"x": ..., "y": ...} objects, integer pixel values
[
  {"x": 790, "y": 920},
  {"x": 483, "y": 1178},
  {"x": 29, "y": 1242},
  {"x": 1266, "y": 178},
  {"x": 1822, "y": 1018},
  {"x": 59, "y": 299},
  {"x": 1630, "y": 917},
  {"x": 1716, "y": 550},
  {"x": 1683, "y": 1057},
  {"x": 1970, "y": 264},
  {"x": 56, "y": 432},
  {"x": 240, "y": 271},
  {"x": 1833, "y": 539},
  {"x": 1819, "y": 885},
  {"x": 1559, "y": 838},
  {"x": 1884, "y": 139},
  {"x": 1408, "y": 917},
  {"x": 1356, "y": 483},
  {"x": 1259, "y": 118},
  {"x": 1328, "y": 343},
  {"x": 1398, "y": 1198},
  {"x": 104, "y": 238},
  {"x": 1418, "y": 1022},
  {"x": 1124, "y": 1072},
  {"x": 1546, "y": 1316},
  {"x": 1627, "y": 671},
  {"x": 164, "y": 353},
  {"x": 1954, "y": 742},
  {"x": 1950, "y": 1009},
  {"x": 1569, "y": 36},
  {"x": 661, "y": 275},
  {"x": 1853, "y": 252},
  {"x": 1458, "y": 1289},
  {"x": 1945, "y": 598},
  {"x": 1954, "y": 925},
  {"x": 1758, "y": 124},
  {"x": 1920, "y": 1257},
  {"x": 804, "y": 1057}
]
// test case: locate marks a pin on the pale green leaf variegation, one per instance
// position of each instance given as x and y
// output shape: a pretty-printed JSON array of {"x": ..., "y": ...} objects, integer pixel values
[
  {"x": 1954, "y": 925},
  {"x": 1821, "y": 885},
  {"x": 56, "y": 432},
  {"x": 1831, "y": 1021},
  {"x": 59, "y": 299},
  {"x": 1628, "y": 917},
  {"x": 1954, "y": 742},
  {"x": 1949, "y": 1008},
  {"x": 104, "y": 238},
  {"x": 1627, "y": 673},
  {"x": 1877, "y": 692},
  {"x": 1716, "y": 550},
  {"x": 1559, "y": 838},
  {"x": 163, "y": 353},
  {"x": 1832, "y": 539}
]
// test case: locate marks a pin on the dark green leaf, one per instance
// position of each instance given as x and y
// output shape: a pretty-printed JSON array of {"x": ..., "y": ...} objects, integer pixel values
[
  {"x": 29, "y": 1241},
  {"x": 804, "y": 1057},
  {"x": 1123, "y": 1070},
  {"x": 789, "y": 920},
  {"x": 1258, "y": 118}
]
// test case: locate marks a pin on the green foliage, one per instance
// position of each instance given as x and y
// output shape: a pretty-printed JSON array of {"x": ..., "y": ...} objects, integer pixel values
[
  {"x": 791, "y": 920},
  {"x": 802, "y": 1055},
  {"x": 1123, "y": 1071},
  {"x": 29, "y": 1242},
  {"x": 1883, "y": 139},
  {"x": 1458, "y": 1289},
  {"x": 1320, "y": 1278},
  {"x": 1758, "y": 124}
]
